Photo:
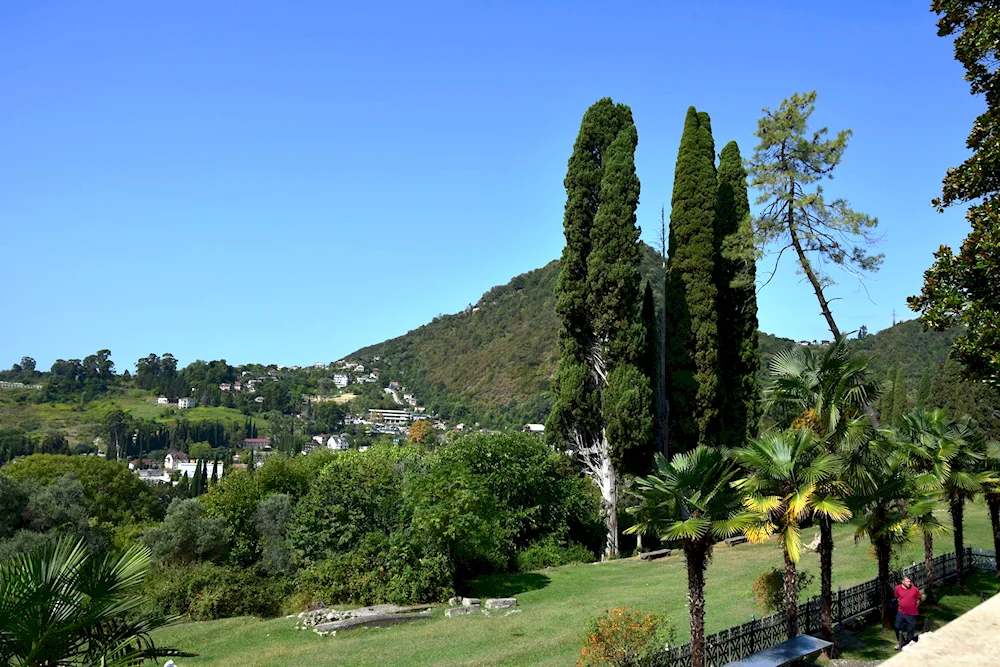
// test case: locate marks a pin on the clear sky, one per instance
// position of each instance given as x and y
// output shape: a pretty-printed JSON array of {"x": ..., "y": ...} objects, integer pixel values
[{"x": 289, "y": 181}]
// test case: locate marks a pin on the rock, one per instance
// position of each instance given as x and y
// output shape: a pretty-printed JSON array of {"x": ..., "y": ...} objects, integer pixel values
[
  {"x": 501, "y": 603},
  {"x": 513, "y": 611},
  {"x": 486, "y": 612},
  {"x": 471, "y": 602},
  {"x": 459, "y": 611},
  {"x": 455, "y": 602}
]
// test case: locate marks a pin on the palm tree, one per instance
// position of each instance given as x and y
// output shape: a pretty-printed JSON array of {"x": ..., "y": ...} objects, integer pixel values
[
  {"x": 991, "y": 491},
  {"x": 61, "y": 606},
  {"x": 889, "y": 513},
  {"x": 790, "y": 477},
  {"x": 946, "y": 457},
  {"x": 691, "y": 501},
  {"x": 830, "y": 394}
]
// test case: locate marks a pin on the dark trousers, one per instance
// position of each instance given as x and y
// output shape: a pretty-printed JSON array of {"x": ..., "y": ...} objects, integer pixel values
[{"x": 905, "y": 624}]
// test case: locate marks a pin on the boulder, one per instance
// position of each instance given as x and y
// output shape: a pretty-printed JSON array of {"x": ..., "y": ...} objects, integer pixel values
[
  {"x": 455, "y": 602},
  {"x": 501, "y": 603},
  {"x": 459, "y": 611},
  {"x": 471, "y": 602},
  {"x": 513, "y": 611}
]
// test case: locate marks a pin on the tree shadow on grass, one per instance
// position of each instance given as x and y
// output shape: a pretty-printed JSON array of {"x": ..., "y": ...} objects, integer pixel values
[{"x": 507, "y": 585}]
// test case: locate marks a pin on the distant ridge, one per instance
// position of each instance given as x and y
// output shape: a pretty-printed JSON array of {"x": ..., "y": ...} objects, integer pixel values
[{"x": 493, "y": 362}]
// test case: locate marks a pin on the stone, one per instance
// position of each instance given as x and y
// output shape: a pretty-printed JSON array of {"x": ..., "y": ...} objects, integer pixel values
[
  {"x": 471, "y": 602},
  {"x": 501, "y": 603},
  {"x": 486, "y": 612},
  {"x": 459, "y": 611},
  {"x": 455, "y": 602},
  {"x": 513, "y": 611}
]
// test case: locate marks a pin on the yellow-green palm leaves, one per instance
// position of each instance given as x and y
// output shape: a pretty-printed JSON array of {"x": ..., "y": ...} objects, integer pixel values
[{"x": 789, "y": 477}]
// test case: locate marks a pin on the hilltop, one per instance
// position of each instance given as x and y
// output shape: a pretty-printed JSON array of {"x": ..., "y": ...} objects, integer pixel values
[{"x": 493, "y": 362}]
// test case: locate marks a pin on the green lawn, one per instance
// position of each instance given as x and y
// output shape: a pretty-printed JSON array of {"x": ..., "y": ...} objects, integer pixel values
[{"x": 556, "y": 606}]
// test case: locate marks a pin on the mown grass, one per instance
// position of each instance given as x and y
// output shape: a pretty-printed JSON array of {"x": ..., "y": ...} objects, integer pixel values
[{"x": 556, "y": 606}]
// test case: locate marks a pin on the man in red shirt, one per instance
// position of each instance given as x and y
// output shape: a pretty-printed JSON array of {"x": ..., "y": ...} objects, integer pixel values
[{"x": 908, "y": 599}]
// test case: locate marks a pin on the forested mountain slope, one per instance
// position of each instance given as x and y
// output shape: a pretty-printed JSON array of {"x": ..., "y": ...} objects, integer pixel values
[{"x": 493, "y": 362}]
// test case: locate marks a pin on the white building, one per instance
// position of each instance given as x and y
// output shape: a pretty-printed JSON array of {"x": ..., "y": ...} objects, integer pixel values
[
  {"x": 188, "y": 467},
  {"x": 534, "y": 428},
  {"x": 162, "y": 400},
  {"x": 390, "y": 416},
  {"x": 173, "y": 460},
  {"x": 183, "y": 403},
  {"x": 341, "y": 380},
  {"x": 338, "y": 443}
]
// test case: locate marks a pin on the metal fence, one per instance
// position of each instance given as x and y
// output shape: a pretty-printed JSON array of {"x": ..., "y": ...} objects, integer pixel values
[{"x": 759, "y": 634}]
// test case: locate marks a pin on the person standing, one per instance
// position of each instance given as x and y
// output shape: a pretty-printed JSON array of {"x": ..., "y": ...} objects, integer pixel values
[{"x": 908, "y": 600}]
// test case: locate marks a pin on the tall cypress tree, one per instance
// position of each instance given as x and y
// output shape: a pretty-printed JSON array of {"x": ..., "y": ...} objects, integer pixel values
[
  {"x": 650, "y": 362},
  {"x": 924, "y": 390},
  {"x": 899, "y": 395},
  {"x": 691, "y": 347},
  {"x": 888, "y": 400},
  {"x": 736, "y": 270},
  {"x": 602, "y": 398}
]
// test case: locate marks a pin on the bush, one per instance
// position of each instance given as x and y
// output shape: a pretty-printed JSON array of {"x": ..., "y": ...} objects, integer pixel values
[
  {"x": 205, "y": 591},
  {"x": 625, "y": 637},
  {"x": 548, "y": 553},
  {"x": 769, "y": 588},
  {"x": 380, "y": 570}
]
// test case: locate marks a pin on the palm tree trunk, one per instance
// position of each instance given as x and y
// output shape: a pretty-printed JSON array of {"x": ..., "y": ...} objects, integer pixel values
[
  {"x": 928, "y": 565},
  {"x": 883, "y": 551},
  {"x": 993, "y": 502},
  {"x": 826, "y": 581},
  {"x": 956, "y": 505},
  {"x": 791, "y": 597},
  {"x": 696, "y": 554}
]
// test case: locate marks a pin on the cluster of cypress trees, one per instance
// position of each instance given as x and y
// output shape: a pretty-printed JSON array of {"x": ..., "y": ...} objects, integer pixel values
[
  {"x": 607, "y": 383},
  {"x": 603, "y": 385},
  {"x": 711, "y": 355}
]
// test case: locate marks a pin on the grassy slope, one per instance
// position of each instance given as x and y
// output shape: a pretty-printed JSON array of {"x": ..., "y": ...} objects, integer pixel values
[
  {"x": 556, "y": 604},
  {"x": 78, "y": 422}
]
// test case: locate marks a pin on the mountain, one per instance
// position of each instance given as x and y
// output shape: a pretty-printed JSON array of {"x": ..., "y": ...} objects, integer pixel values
[{"x": 493, "y": 362}]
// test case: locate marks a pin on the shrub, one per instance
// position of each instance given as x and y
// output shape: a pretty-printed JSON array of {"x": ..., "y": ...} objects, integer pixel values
[
  {"x": 379, "y": 570},
  {"x": 206, "y": 591},
  {"x": 548, "y": 553},
  {"x": 769, "y": 588},
  {"x": 625, "y": 637}
]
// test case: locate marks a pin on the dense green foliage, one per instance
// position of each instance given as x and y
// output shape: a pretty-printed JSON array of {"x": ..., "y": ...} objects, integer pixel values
[
  {"x": 962, "y": 288},
  {"x": 736, "y": 270},
  {"x": 694, "y": 391},
  {"x": 61, "y": 605}
]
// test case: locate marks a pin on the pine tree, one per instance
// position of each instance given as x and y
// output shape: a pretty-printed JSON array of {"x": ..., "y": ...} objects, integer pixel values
[
  {"x": 924, "y": 390},
  {"x": 692, "y": 364},
  {"x": 739, "y": 357},
  {"x": 899, "y": 396},
  {"x": 603, "y": 400},
  {"x": 215, "y": 471}
]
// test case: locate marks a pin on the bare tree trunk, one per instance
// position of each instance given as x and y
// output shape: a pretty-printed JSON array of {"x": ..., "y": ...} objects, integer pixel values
[
  {"x": 883, "y": 551},
  {"x": 696, "y": 554},
  {"x": 791, "y": 597},
  {"x": 993, "y": 502},
  {"x": 607, "y": 482},
  {"x": 928, "y": 565},
  {"x": 826, "y": 582},
  {"x": 956, "y": 505}
]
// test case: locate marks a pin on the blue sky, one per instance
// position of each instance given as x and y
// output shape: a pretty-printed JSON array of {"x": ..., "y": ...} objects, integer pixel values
[{"x": 287, "y": 182}]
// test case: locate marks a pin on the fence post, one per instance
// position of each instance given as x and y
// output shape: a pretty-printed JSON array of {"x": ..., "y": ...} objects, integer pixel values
[{"x": 840, "y": 604}]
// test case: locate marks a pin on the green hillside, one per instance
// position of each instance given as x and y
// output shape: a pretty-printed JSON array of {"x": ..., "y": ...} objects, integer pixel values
[{"x": 493, "y": 362}]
